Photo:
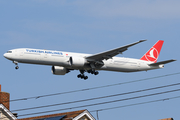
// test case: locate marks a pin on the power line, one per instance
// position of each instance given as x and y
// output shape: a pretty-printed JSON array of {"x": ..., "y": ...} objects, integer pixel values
[
  {"x": 137, "y": 104},
  {"x": 48, "y": 95},
  {"x": 104, "y": 102},
  {"x": 128, "y": 105},
  {"x": 98, "y": 97}
]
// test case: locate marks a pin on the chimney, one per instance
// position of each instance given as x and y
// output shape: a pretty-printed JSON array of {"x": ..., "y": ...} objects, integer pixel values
[{"x": 4, "y": 98}]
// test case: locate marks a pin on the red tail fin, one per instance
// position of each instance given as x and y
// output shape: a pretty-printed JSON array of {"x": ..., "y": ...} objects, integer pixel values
[{"x": 153, "y": 54}]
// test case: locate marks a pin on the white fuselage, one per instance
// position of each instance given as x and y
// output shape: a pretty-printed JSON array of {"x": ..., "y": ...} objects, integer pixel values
[{"x": 59, "y": 58}]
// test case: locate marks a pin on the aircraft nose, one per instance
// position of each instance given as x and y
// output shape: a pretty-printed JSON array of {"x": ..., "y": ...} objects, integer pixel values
[{"x": 5, "y": 55}]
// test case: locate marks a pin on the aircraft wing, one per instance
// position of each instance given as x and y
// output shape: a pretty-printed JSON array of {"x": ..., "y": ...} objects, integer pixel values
[
  {"x": 110, "y": 53},
  {"x": 162, "y": 62}
]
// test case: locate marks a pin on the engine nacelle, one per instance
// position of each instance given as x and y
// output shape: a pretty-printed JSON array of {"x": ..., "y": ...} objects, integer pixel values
[
  {"x": 57, "y": 70},
  {"x": 77, "y": 61}
]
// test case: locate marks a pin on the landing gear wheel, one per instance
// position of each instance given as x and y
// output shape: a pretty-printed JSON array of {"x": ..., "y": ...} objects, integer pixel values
[
  {"x": 85, "y": 77},
  {"x": 16, "y": 67},
  {"x": 82, "y": 76},
  {"x": 79, "y": 75},
  {"x": 96, "y": 73}
]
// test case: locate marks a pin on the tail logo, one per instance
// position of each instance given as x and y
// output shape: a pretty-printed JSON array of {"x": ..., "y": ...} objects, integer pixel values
[{"x": 152, "y": 55}]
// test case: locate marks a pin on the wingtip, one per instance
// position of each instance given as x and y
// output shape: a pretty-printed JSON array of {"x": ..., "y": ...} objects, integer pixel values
[{"x": 143, "y": 40}]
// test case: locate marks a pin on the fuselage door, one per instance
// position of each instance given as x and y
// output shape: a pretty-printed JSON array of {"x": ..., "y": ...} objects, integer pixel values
[
  {"x": 45, "y": 55},
  {"x": 139, "y": 65},
  {"x": 21, "y": 53}
]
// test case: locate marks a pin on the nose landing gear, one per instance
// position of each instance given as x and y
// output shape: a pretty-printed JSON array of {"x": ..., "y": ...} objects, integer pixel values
[{"x": 16, "y": 63}]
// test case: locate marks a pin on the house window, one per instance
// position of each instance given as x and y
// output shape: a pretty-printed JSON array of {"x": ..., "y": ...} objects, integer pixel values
[{"x": 84, "y": 118}]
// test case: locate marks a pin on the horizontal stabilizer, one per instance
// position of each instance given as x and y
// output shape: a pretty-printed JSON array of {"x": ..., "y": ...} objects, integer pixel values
[{"x": 162, "y": 62}]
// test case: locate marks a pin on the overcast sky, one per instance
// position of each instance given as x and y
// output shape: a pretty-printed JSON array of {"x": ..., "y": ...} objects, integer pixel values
[{"x": 91, "y": 27}]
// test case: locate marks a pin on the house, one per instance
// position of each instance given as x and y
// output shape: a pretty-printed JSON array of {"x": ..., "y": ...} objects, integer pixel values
[
  {"x": 75, "y": 115},
  {"x": 5, "y": 114}
]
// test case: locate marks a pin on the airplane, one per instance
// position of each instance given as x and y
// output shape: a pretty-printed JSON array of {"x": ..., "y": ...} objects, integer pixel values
[{"x": 64, "y": 62}]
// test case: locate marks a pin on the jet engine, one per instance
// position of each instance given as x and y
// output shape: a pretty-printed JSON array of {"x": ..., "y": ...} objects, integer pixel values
[
  {"x": 77, "y": 61},
  {"x": 57, "y": 70}
]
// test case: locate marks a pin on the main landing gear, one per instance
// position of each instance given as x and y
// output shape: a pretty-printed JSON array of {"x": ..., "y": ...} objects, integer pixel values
[
  {"x": 16, "y": 63},
  {"x": 82, "y": 76},
  {"x": 93, "y": 72}
]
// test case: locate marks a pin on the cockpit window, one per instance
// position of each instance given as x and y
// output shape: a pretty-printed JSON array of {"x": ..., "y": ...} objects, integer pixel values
[{"x": 9, "y": 51}]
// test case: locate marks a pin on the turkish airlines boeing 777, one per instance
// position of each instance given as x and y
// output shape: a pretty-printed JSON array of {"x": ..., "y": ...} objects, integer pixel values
[{"x": 64, "y": 62}]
